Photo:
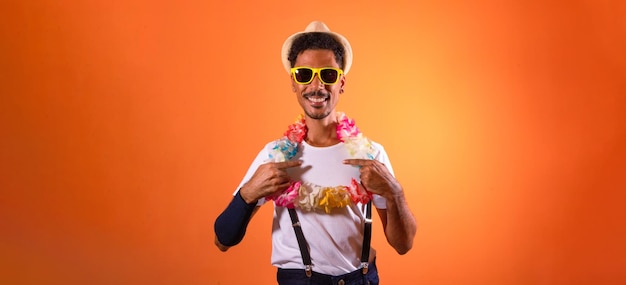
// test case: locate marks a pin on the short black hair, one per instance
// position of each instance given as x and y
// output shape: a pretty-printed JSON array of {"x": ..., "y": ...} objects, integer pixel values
[{"x": 316, "y": 40}]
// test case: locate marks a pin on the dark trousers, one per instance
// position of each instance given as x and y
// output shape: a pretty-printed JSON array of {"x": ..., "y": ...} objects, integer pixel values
[{"x": 298, "y": 277}]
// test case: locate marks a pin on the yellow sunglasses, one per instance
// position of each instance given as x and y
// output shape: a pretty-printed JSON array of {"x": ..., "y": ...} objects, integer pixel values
[{"x": 304, "y": 75}]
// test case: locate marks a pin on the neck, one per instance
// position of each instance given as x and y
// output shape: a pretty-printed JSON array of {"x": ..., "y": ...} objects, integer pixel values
[{"x": 322, "y": 132}]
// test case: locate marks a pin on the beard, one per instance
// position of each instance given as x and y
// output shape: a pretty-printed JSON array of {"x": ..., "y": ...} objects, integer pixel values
[{"x": 317, "y": 116}]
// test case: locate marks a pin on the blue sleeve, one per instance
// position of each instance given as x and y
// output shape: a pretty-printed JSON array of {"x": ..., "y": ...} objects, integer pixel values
[{"x": 230, "y": 226}]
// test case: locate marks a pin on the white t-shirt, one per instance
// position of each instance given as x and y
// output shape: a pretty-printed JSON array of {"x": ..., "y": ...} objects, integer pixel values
[{"x": 335, "y": 239}]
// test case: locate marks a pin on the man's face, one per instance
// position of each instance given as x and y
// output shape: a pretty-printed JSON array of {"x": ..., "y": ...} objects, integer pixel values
[{"x": 317, "y": 99}]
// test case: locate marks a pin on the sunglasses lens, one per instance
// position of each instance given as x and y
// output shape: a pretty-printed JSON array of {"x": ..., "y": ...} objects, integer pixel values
[
  {"x": 329, "y": 76},
  {"x": 303, "y": 75}
]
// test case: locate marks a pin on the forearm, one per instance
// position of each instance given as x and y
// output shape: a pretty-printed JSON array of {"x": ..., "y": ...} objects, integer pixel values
[
  {"x": 401, "y": 226},
  {"x": 230, "y": 226}
]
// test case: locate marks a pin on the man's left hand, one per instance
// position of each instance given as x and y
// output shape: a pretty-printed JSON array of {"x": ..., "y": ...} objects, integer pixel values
[{"x": 375, "y": 177}]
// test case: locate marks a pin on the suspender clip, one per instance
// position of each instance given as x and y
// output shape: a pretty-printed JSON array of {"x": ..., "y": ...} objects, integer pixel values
[
  {"x": 308, "y": 271},
  {"x": 365, "y": 266}
]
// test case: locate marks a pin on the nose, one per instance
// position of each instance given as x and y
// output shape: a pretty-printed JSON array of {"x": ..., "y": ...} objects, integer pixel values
[{"x": 317, "y": 82}]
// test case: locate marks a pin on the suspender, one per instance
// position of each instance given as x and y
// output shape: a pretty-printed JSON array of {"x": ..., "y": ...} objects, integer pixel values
[
  {"x": 304, "y": 248},
  {"x": 367, "y": 237}
]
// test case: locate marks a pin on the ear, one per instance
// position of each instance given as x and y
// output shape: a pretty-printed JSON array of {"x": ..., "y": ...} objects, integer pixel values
[
  {"x": 342, "y": 83},
  {"x": 293, "y": 86}
]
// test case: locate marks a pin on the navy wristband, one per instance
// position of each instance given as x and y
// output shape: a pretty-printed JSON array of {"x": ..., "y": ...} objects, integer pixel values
[{"x": 230, "y": 226}]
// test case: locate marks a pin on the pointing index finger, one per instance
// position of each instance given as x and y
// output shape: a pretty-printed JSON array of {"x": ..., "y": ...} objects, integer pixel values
[
  {"x": 287, "y": 164},
  {"x": 357, "y": 162}
]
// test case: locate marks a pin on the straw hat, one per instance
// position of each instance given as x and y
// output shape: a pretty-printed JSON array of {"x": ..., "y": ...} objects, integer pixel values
[{"x": 318, "y": 26}]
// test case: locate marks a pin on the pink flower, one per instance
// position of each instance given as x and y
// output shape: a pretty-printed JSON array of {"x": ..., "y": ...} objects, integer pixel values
[
  {"x": 346, "y": 128},
  {"x": 358, "y": 193},
  {"x": 287, "y": 197},
  {"x": 297, "y": 131}
]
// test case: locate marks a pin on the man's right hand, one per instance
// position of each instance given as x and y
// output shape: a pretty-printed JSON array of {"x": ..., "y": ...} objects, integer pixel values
[{"x": 268, "y": 179}]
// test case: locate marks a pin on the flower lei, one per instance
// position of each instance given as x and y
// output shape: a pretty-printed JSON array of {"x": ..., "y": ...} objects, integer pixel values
[{"x": 309, "y": 196}]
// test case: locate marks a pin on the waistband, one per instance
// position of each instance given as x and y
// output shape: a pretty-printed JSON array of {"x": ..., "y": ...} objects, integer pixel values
[{"x": 320, "y": 278}]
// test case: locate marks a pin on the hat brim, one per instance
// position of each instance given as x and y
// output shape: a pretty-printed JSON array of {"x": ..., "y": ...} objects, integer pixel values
[{"x": 347, "y": 58}]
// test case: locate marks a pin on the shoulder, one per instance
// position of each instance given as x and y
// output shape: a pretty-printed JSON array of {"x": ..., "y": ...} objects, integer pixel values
[
  {"x": 377, "y": 146},
  {"x": 379, "y": 151},
  {"x": 381, "y": 155}
]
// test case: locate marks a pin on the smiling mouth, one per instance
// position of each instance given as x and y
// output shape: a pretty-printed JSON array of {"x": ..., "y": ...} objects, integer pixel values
[{"x": 317, "y": 97}]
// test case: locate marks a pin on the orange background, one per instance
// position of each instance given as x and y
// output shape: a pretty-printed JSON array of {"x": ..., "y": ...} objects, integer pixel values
[{"x": 126, "y": 125}]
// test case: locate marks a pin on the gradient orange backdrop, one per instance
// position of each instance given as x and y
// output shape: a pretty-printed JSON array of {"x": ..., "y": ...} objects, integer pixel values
[{"x": 126, "y": 125}]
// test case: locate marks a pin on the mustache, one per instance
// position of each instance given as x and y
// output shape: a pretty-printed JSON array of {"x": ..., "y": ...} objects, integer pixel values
[{"x": 319, "y": 93}]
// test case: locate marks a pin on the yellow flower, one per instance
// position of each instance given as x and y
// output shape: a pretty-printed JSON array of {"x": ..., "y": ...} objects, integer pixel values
[{"x": 333, "y": 197}]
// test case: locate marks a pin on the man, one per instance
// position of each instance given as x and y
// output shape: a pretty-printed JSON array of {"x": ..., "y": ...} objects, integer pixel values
[{"x": 322, "y": 215}]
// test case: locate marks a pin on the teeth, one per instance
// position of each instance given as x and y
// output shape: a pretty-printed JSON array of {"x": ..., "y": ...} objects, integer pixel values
[{"x": 317, "y": 100}]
